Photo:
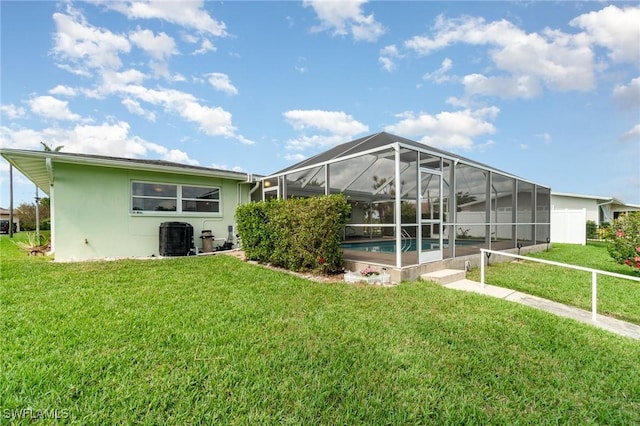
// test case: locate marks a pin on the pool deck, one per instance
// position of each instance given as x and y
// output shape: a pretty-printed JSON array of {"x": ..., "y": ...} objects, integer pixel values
[{"x": 466, "y": 257}]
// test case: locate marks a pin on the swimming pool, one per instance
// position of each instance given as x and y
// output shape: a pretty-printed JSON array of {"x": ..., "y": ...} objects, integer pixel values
[{"x": 389, "y": 246}]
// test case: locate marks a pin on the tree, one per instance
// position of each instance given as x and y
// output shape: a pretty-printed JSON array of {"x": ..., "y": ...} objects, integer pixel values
[
  {"x": 464, "y": 198},
  {"x": 27, "y": 214},
  {"x": 47, "y": 148}
]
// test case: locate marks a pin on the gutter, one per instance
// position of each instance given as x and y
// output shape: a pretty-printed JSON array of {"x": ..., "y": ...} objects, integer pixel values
[{"x": 250, "y": 179}]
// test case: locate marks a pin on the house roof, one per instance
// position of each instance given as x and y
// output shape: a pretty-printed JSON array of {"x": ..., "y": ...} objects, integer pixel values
[
  {"x": 6, "y": 212},
  {"x": 616, "y": 203},
  {"x": 37, "y": 166},
  {"x": 377, "y": 141},
  {"x": 584, "y": 196}
]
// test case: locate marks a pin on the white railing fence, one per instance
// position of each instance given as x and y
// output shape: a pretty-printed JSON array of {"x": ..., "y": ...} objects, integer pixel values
[{"x": 484, "y": 253}]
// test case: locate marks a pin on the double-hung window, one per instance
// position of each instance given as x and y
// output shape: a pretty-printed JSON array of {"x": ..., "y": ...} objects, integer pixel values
[{"x": 162, "y": 197}]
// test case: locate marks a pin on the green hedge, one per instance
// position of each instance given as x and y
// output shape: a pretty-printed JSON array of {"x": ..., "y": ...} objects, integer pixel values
[{"x": 300, "y": 234}]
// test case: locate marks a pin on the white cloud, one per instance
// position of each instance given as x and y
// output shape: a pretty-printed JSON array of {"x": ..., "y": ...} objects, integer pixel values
[
  {"x": 177, "y": 156},
  {"x": 63, "y": 91},
  {"x": 134, "y": 108},
  {"x": 159, "y": 46},
  {"x": 113, "y": 82},
  {"x": 85, "y": 45},
  {"x": 225, "y": 167},
  {"x": 632, "y": 134},
  {"x": 440, "y": 75},
  {"x": 503, "y": 87},
  {"x": 294, "y": 157},
  {"x": 206, "y": 46},
  {"x": 335, "y": 122},
  {"x": 558, "y": 60},
  {"x": 387, "y": 57},
  {"x": 337, "y": 126},
  {"x": 50, "y": 107},
  {"x": 11, "y": 111},
  {"x": 344, "y": 18},
  {"x": 615, "y": 28},
  {"x": 111, "y": 139},
  {"x": 459, "y": 102},
  {"x": 221, "y": 82},
  {"x": 447, "y": 129},
  {"x": 20, "y": 138},
  {"x": 628, "y": 96},
  {"x": 214, "y": 121},
  {"x": 190, "y": 14},
  {"x": 387, "y": 63},
  {"x": 314, "y": 143}
]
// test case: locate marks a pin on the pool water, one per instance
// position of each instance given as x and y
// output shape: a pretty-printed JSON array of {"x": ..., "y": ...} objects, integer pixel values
[{"x": 390, "y": 246}]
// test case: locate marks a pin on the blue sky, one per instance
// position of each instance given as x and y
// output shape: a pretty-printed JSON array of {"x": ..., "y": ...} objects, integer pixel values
[{"x": 548, "y": 91}]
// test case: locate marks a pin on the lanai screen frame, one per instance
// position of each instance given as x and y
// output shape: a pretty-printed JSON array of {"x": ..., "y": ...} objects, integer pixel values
[{"x": 499, "y": 211}]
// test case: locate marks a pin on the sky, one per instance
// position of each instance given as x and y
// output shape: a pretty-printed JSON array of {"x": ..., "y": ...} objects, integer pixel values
[{"x": 547, "y": 91}]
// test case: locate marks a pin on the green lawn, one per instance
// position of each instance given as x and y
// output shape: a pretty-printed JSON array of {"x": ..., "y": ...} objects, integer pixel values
[
  {"x": 618, "y": 298},
  {"x": 213, "y": 340}
]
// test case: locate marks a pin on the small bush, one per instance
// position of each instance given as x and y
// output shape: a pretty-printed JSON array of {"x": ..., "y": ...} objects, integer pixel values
[
  {"x": 624, "y": 240},
  {"x": 603, "y": 230},
  {"x": 592, "y": 230},
  {"x": 300, "y": 234}
]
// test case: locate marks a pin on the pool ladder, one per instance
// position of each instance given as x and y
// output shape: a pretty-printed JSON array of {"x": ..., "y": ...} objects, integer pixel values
[{"x": 406, "y": 240}]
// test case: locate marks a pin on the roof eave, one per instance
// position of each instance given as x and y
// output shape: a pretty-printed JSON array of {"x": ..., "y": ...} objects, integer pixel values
[{"x": 35, "y": 171}]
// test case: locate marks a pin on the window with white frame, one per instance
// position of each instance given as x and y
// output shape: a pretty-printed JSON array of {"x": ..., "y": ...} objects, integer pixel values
[{"x": 161, "y": 197}]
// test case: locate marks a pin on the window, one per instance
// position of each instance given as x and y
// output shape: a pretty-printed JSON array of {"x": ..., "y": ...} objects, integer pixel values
[
  {"x": 159, "y": 197},
  {"x": 200, "y": 199},
  {"x": 154, "y": 197}
]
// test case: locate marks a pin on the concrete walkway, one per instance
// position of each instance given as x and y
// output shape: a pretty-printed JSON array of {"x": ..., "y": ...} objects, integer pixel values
[{"x": 611, "y": 324}]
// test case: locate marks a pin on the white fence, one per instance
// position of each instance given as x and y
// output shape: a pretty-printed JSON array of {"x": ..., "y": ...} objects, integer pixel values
[
  {"x": 569, "y": 226},
  {"x": 594, "y": 274}
]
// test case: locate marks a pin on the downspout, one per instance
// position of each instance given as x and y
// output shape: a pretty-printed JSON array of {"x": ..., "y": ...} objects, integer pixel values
[
  {"x": 250, "y": 179},
  {"x": 255, "y": 188},
  {"x": 52, "y": 206},
  {"x": 608, "y": 216},
  {"x": 48, "y": 164}
]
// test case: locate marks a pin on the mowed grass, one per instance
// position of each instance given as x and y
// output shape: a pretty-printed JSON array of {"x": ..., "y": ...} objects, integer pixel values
[
  {"x": 618, "y": 298},
  {"x": 213, "y": 340}
]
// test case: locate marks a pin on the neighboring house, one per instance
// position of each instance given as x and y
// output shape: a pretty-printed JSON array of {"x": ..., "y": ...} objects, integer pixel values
[
  {"x": 105, "y": 207},
  {"x": 5, "y": 216},
  {"x": 599, "y": 209},
  {"x": 571, "y": 212}
]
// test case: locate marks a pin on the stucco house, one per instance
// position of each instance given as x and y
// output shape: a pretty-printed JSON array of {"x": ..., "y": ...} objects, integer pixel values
[
  {"x": 105, "y": 207},
  {"x": 414, "y": 208},
  {"x": 5, "y": 216}
]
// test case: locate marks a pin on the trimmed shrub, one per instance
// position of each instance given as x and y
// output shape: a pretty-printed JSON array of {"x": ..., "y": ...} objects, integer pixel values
[
  {"x": 300, "y": 234},
  {"x": 592, "y": 230}
]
